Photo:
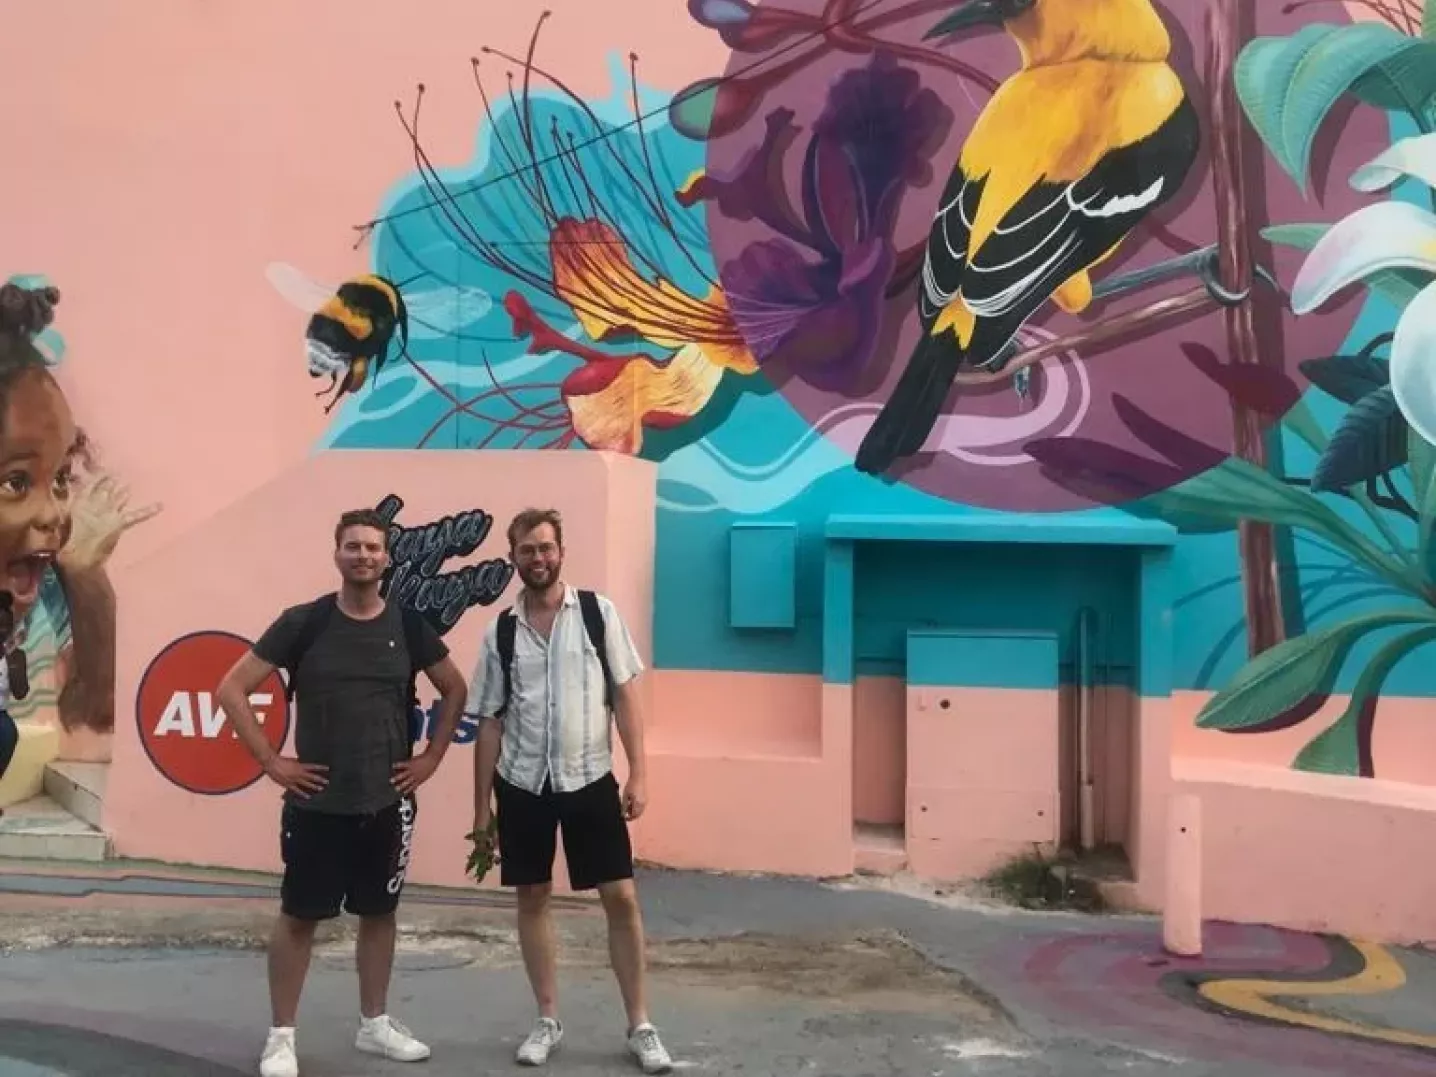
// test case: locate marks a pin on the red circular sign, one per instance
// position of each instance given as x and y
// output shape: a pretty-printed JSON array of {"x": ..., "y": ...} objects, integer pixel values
[{"x": 183, "y": 729}]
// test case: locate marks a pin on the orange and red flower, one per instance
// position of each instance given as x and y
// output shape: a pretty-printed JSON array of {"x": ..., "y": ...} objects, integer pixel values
[{"x": 613, "y": 397}]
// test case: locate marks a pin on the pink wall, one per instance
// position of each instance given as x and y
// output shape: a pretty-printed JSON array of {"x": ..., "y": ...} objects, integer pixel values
[
  {"x": 282, "y": 535},
  {"x": 1314, "y": 852},
  {"x": 880, "y": 750},
  {"x": 1403, "y": 739},
  {"x": 769, "y": 755},
  {"x": 250, "y": 133},
  {"x": 982, "y": 770}
]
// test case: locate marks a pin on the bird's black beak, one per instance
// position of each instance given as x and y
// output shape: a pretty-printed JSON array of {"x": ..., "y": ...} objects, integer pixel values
[{"x": 973, "y": 13}]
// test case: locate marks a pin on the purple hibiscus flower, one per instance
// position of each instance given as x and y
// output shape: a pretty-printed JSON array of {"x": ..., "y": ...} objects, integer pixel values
[{"x": 811, "y": 298}]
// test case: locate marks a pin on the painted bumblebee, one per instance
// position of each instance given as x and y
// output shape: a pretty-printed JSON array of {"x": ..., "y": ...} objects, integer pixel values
[{"x": 352, "y": 327}]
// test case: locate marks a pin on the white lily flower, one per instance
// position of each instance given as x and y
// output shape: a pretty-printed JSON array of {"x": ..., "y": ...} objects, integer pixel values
[{"x": 1385, "y": 236}]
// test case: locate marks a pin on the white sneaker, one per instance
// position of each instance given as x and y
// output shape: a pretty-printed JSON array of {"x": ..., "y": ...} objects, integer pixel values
[
  {"x": 279, "y": 1059},
  {"x": 644, "y": 1044},
  {"x": 385, "y": 1036},
  {"x": 546, "y": 1034}
]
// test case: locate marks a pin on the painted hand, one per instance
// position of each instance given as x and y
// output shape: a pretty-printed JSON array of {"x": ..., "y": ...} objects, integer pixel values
[
  {"x": 99, "y": 515},
  {"x": 413, "y": 773},
  {"x": 635, "y": 797}
]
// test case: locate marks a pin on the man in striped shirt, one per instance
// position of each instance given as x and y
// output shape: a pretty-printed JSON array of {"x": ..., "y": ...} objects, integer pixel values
[{"x": 554, "y": 674}]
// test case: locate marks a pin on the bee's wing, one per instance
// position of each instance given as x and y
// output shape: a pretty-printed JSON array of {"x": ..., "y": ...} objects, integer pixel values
[
  {"x": 296, "y": 288},
  {"x": 437, "y": 312}
]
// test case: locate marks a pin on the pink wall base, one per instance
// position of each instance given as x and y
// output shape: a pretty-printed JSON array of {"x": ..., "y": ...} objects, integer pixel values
[
  {"x": 982, "y": 769},
  {"x": 749, "y": 772},
  {"x": 1315, "y": 853}
]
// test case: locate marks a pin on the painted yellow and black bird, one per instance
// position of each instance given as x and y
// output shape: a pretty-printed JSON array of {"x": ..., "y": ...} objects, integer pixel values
[
  {"x": 352, "y": 326},
  {"x": 1092, "y": 134}
]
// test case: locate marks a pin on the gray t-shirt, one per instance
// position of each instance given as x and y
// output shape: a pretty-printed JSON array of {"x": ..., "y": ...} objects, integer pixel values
[{"x": 352, "y": 697}]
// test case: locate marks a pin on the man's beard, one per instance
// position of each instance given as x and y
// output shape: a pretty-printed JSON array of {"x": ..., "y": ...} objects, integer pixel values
[{"x": 545, "y": 577}]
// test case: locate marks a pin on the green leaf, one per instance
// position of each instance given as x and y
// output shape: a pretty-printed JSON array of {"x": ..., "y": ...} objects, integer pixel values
[
  {"x": 1288, "y": 85},
  {"x": 1370, "y": 441},
  {"x": 1338, "y": 749},
  {"x": 1422, "y": 457},
  {"x": 692, "y": 109},
  {"x": 1399, "y": 286},
  {"x": 1423, "y": 488},
  {"x": 1428, "y": 21},
  {"x": 1405, "y": 83},
  {"x": 1302, "y": 236},
  {"x": 1158, "y": 506},
  {"x": 1348, "y": 378},
  {"x": 1238, "y": 490},
  {"x": 1278, "y": 679},
  {"x": 1335, "y": 750}
]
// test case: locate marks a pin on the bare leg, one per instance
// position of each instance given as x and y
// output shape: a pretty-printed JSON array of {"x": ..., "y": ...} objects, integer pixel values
[
  {"x": 374, "y": 956},
  {"x": 290, "y": 944},
  {"x": 625, "y": 946},
  {"x": 539, "y": 946}
]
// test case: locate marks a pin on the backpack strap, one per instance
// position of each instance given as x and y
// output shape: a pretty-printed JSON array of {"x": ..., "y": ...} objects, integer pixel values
[
  {"x": 413, "y": 626},
  {"x": 315, "y": 618},
  {"x": 507, "y": 631},
  {"x": 598, "y": 636}
]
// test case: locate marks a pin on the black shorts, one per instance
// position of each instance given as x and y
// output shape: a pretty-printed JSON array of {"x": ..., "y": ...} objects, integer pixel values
[
  {"x": 595, "y": 834},
  {"x": 357, "y": 862}
]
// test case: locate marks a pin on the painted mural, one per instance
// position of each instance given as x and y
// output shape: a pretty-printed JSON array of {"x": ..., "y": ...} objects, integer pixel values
[
  {"x": 61, "y": 517},
  {"x": 1168, "y": 259}
]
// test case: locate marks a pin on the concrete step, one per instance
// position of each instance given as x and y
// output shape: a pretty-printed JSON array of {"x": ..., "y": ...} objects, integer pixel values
[
  {"x": 879, "y": 850},
  {"x": 40, "y": 829},
  {"x": 79, "y": 788}
]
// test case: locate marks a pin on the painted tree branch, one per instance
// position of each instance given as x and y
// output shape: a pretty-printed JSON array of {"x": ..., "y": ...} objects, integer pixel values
[
  {"x": 1144, "y": 319},
  {"x": 1256, "y": 541}
]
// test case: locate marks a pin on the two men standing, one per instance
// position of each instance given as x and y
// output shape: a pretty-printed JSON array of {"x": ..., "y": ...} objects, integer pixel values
[{"x": 550, "y": 672}]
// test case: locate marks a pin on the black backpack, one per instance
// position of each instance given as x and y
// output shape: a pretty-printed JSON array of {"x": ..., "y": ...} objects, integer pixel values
[
  {"x": 592, "y": 623},
  {"x": 314, "y": 622}
]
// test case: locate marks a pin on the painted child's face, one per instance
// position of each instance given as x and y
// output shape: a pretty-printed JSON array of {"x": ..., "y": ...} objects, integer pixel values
[{"x": 38, "y": 443}]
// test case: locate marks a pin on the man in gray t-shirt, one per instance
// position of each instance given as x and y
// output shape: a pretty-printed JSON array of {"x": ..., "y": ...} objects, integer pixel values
[
  {"x": 351, "y": 692},
  {"x": 347, "y": 821}
]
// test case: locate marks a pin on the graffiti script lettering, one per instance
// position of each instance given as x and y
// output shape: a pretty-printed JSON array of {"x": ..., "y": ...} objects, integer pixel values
[{"x": 417, "y": 554}]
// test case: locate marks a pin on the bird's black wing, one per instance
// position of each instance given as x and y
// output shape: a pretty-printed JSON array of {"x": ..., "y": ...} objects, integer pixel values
[
  {"x": 1056, "y": 229},
  {"x": 946, "y": 255}
]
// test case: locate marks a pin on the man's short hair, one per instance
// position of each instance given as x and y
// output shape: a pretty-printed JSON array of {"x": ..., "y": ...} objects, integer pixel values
[
  {"x": 527, "y": 520},
  {"x": 361, "y": 518}
]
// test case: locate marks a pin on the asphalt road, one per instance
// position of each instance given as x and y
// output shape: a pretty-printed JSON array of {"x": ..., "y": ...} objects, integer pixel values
[{"x": 749, "y": 976}]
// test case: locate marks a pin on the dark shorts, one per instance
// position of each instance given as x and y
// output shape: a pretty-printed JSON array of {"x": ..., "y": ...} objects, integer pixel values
[
  {"x": 9, "y": 738},
  {"x": 353, "y": 862},
  {"x": 595, "y": 834}
]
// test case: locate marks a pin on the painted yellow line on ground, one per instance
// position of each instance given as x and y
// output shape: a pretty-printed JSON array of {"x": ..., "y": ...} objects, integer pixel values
[{"x": 1382, "y": 973}]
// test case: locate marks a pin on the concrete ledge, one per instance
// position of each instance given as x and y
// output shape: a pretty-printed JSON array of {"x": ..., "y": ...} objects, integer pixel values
[{"x": 1312, "y": 852}]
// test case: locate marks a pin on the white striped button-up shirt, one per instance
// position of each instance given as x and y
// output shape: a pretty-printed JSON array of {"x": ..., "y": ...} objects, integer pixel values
[{"x": 556, "y": 727}]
